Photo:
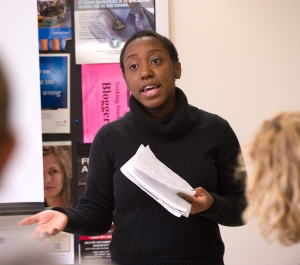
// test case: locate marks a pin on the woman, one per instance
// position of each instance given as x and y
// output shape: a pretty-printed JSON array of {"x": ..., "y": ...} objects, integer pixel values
[
  {"x": 273, "y": 187},
  {"x": 57, "y": 176},
  {"x": 198, "y": 146}
]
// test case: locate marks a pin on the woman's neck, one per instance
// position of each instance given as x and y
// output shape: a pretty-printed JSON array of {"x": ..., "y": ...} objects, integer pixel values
[{"x": 54, "y": 202}]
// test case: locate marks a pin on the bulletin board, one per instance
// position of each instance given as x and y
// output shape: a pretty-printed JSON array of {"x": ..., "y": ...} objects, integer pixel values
[{"x": 82, "y": 79}]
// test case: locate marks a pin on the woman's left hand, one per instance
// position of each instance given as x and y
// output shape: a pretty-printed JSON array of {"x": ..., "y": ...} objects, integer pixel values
[{"x": 200, "y": 202}]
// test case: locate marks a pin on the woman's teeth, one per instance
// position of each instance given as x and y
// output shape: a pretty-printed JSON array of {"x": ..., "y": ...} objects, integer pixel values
[{"x": 150, "y": 88}]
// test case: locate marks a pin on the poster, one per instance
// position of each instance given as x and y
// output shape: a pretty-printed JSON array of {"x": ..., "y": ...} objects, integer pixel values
[
  {"x": 58, "y": 179},
  {"x": 91, "y": 249},
  {"x": 55, "y": 92},
  {"x": 54, "y": 24},
  {"x": 60, "y": 248},
  {"x": 82, "y": 153},
  {"x": 95, "y": 249},
  {"x": 11, "y": 233},
  {"x": 104, "y": 97},
  {"x": 103, "y": 26},
  {"x": 15, "y": 238}
]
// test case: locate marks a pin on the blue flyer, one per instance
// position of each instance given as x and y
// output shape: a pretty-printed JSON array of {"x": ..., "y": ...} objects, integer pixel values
[
  {"x": 54, "y": 82},
  {"x": 55, "y": 92}
]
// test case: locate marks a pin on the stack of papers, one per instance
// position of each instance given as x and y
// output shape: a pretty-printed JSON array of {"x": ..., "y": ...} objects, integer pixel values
[{"x": 159, "y": 181}]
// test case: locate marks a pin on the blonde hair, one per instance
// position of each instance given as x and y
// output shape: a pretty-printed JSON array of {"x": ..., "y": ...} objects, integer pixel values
[
  {"x": 273, "y": 187},
  {"x": 64, "y": 158}
]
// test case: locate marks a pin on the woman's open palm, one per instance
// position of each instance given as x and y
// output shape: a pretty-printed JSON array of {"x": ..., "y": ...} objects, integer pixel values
[{"x": 49, "y": 223}]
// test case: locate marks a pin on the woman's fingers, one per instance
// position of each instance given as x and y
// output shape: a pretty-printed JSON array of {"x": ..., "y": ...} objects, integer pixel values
[
  {"x": 28, "y": 221},
  {"x": 185, "y": 197},
  {"x": 40, "y": 236},
  {"x": 55, "y": 231},
  {"x": 49, "y": 223},
  {"x": 201, "y": 201}
]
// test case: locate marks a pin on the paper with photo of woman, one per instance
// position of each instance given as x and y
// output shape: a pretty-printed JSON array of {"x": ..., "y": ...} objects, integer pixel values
[{"x": 58, "y": 179}]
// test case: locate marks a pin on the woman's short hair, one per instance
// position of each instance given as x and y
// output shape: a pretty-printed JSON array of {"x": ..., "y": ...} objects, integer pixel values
[
  {"x": 64, "y": 158},
  {"x": 150, "y": 33},
  {"x": 273, "y": 185}
]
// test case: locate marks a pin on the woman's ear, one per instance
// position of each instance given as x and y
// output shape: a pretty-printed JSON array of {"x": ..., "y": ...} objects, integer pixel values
[{"x": 178, "y": 70}]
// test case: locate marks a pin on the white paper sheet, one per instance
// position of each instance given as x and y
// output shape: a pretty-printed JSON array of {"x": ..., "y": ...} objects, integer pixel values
[{"x": 160, "y": 182}]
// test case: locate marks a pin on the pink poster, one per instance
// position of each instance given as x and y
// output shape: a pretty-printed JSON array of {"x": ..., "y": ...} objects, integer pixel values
[{"x": 104, "y": 97}]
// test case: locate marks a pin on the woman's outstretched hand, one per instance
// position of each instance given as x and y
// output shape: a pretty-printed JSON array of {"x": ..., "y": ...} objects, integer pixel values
[
  {"x": 200, "y": 202},
  {"x": 49, "y": 223}
]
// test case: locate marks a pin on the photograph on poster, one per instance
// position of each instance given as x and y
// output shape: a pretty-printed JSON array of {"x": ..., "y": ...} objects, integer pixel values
[
  {"x": 54, "y": 24},
  {"x": 102, "y": 27},
  {"x": 57, "y": 166},
  {"x": 102, "y": 84},
  {"x": 55, "y": 92},
  {"x": 58, "y": 179}
]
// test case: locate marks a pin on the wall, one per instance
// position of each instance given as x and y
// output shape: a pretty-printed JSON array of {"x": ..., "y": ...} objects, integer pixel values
[{"x": 241, "y": 60}]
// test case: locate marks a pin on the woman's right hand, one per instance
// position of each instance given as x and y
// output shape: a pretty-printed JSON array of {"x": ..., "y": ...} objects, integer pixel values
[{"x": 49, "y": 223}]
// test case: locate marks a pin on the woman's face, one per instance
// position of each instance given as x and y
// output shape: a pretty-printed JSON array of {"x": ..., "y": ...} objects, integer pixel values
[
  {"x": 53, "y": 177},
  {"x": 150, "y": 75}
]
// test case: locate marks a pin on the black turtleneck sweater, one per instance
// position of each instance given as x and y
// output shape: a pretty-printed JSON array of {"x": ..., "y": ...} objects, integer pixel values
[{"x": 201, "y": 148}]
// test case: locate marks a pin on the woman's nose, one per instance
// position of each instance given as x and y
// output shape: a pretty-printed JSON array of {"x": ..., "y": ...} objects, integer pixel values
[
  {"x": 146, "y": 71},
  {"x": 47, "y": 177}
]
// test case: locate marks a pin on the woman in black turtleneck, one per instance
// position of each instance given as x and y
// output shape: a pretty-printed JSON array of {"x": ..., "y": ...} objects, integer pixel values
[{"x": 199, "y": 146}]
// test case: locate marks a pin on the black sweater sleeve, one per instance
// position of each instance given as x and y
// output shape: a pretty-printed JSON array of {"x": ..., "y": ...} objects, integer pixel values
[
  {"x": 229, "y": 202},
  {"x": 94, "y": 212}
]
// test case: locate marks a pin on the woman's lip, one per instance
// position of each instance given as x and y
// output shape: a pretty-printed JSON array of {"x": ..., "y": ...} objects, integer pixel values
[
  {"x": 151, "y": 85},
  {"x": 151, "y": 92}
]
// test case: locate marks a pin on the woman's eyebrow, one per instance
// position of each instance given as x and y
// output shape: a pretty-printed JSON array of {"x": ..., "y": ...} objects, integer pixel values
[
  {"x": 129, "y": 56},
  {"x": 150, "y": 51},
  {"x": 155, "y": 50}
]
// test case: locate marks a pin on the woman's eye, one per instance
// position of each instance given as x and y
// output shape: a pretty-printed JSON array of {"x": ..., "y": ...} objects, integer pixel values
[
  {"x": 133, "y": 66},
  {"x": 155, "y": 61}
]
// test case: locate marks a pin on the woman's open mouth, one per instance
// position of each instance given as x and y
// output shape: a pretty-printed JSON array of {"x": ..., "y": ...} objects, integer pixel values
[{"x": 150, "y": 89}]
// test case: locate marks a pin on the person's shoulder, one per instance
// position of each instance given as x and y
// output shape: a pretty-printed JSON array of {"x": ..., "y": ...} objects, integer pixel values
[
  {"x": 112, "y": 127},
  {"x": 210, "y": 117},
  {"x": 215, "y": 125}
]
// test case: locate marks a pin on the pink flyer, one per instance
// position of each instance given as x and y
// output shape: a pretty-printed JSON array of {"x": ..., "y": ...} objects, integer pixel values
[{"x": 104, "y": 97}]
